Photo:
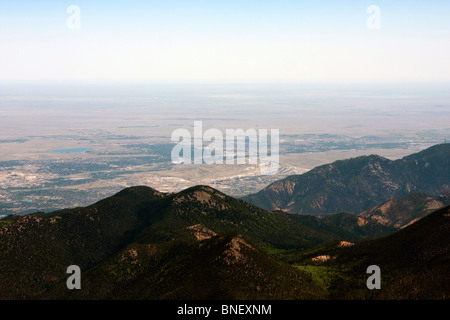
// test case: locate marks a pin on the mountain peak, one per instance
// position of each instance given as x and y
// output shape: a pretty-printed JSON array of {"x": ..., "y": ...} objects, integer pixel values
[
  {"x": 141, "y": 191},
  {"x": 203, "y": 195},
  {"x": 203, "y": 188}
]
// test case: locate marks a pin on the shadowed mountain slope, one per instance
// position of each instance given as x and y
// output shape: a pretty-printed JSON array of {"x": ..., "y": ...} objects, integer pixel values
[{"x": 358, "y": 184}]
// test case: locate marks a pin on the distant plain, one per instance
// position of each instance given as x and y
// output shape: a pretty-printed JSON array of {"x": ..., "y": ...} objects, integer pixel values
[{"x": 118, "y": 135}]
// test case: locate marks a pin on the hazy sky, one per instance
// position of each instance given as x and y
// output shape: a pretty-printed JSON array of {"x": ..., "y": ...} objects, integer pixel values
[{"x": 225, "y": 41}]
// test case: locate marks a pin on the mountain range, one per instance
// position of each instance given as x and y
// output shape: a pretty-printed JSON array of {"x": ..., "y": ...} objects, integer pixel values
[
  {"x": 202, "y": 244},
  {"x": 358, "y": 184},
  {"x": 140, "y": 231}
]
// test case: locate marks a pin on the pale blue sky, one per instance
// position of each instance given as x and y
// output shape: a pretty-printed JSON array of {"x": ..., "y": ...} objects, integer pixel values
[{"x": 225, "y": 41}]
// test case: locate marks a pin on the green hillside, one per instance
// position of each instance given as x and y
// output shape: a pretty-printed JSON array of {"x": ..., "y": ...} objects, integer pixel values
[
  {"x": 36, "y": 249},
  {"x": 414, "y": 263},
  {"x": 203, "y": 244}
]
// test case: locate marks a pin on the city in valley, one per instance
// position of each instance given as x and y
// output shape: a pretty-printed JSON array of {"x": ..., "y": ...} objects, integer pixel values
[{"x": 59, "y": 150}]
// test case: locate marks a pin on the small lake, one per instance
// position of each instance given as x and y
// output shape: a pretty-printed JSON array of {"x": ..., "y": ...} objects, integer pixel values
[{"x": 71, "y": 150}]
